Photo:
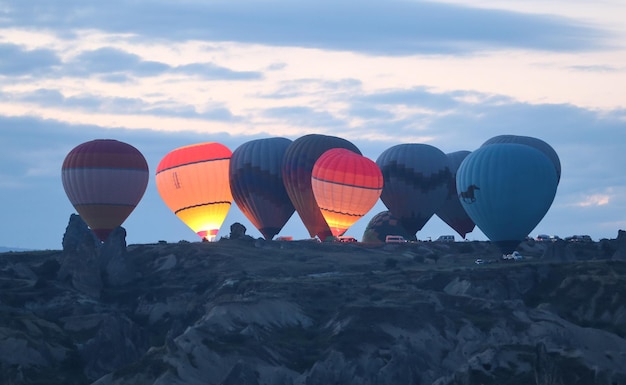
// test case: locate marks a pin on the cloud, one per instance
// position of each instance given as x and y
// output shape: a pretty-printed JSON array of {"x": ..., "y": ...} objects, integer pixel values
[
  {"x": 594, "y": 200},
  {"x": 118, "y": 65},
  {"x": 305, "y": 117},
  {"x": 417, "y": 97},
  {"x": 596, "y": 68},
  {"x": 50, "y": 98},
  {"x": 210, "y": 71},
  {"x": 111, "y": 60},
  {"x": 368, "y": 112},
  {"x": 367, "y": 26},
  {"x": 19, "y": 61}
]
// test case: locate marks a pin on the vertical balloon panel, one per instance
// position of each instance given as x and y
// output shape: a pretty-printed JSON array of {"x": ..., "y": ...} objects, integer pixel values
[
  {"x": 451, "y": 211},
  {"x": 193, "y": 183},
  {"x": 104, "y": 180}
]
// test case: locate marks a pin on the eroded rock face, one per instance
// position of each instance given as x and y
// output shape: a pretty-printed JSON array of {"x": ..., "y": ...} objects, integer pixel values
[
  {"x": 117, "y": 268},
  {"x": 620, "y": 254},
  {"x": 558, "y": 252},
  {"x": 303, "y": 313},
  {"x": 237, "y": 231},
  {"x": 90, "y": 264},
  {"x": 80, "y": 260}
]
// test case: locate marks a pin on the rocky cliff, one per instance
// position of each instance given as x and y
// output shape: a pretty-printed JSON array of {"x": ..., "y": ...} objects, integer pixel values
[{"x": 256, "y": 312}]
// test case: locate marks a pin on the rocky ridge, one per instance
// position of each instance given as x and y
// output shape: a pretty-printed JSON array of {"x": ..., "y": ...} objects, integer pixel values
[{"x": 245, "y": 311}]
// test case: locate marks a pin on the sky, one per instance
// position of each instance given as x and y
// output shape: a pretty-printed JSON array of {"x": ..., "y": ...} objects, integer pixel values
[{"x": 164, "y": 74}]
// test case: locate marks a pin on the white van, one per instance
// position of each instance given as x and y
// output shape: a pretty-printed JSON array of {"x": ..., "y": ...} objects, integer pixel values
[
  {"x": 394, "y": 239},
  {"x": 445, "y": 238}
]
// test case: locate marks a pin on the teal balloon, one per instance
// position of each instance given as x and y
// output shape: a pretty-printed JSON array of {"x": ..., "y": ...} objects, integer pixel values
[
  {"x": 506, "y": 189},
  {"x": 536, "y": 143}
]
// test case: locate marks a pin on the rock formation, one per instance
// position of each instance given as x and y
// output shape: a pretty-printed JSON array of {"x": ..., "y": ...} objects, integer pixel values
[
  {"x": 117, "y": 268},
  {"x": 237, "y": 231},
  {"x": 307, "y": 313},
  {"x": 90, "y": 264},
  {"x": 557, "y": 251},
  {"x": 620, "y": 254},
  {"x": 79, "y": 262}
]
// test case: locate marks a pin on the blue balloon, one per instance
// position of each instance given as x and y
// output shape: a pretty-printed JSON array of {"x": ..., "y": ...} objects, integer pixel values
[
  {"x": 506, "y": 189},
  {"x": 532, "y": 142}
]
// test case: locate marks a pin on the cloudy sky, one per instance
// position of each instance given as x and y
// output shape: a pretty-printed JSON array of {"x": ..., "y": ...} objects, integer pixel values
[{"x": 163, "y": 74}]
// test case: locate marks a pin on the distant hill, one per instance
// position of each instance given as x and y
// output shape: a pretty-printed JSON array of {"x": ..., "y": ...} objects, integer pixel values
[{"x": 5, "y": 249}]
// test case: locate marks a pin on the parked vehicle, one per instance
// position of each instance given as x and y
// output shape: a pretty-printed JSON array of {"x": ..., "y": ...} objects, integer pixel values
[
  {"x": 479, "y": 261},
  {"x": 515, "y": 256},
  {"x": 346, "y": 239},
  {"x": 579, "y": 238},
  {"x": 542, "y": 238},
  {"x": 445, "y": 238},
  {"x": 395, "y": 239}
]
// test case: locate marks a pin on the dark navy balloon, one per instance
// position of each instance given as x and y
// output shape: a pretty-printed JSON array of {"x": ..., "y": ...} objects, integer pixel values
[
  {"x": 297, "y": 169},
  {"x": 538, "y": 144},
  {"x": 416, "y": 178},
  {"x": 256, "y": 183},
  {"x": 506, "y": 189},
  {"x": 381, "y": 225},
  {"x": 451, "y": 211}
]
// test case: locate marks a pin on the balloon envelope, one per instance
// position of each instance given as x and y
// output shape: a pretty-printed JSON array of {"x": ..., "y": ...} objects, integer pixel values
[
  {"x": 104, "y": 180},
  {"x": 416, "y": 182},
  {"x": 346, "y": 186},
  {"x": 297, "y": 168},
  {"x": 193, "y": 183},
  {"x": 536, "y": 143},
  {"x": 381, "y": 225},
  {"x": 451, "y": 211},
  {"x": 506, "y": 189},
  {"x": 257, "y": 185}
]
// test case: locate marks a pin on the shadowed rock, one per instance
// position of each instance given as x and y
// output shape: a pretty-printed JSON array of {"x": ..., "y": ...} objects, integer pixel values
[
  {"x": 237, "y": 231},
  {"x": 79, "y": 262},
  {"x": 117, "y": 268},
  {"x": 296, "y": 313},
  {"x": 90, "y": 264},
  {"x": 558, "y": 251},
  {"x": 620, "y": 254}
]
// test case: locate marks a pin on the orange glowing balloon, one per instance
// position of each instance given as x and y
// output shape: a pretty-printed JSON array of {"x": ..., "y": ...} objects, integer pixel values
[
  {"x": 193, "y": 182},
  {"x": 346, "y": 186}
]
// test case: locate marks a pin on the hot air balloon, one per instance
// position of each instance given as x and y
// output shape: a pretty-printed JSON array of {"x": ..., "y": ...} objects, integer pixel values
[
  {"x": 506, "y": 189},
  {"x": 538, "y": 144},
  {"x": 104, "y": 179},
  {"x": 297, "y": 168},
  {"x": 416, "y": 182},
  {"x": 381, "y": 225},
  {"x": 193, "y": 183},
  {"x": 346, "y": 186},
  {"x": 451, "y": 211},
  {"x": 257, "y": 185}
]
